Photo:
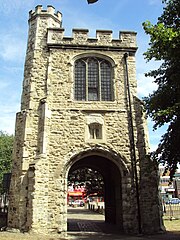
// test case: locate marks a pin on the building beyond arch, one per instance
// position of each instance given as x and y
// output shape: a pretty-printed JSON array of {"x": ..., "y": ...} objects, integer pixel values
[{"x": 92, "y": 123}]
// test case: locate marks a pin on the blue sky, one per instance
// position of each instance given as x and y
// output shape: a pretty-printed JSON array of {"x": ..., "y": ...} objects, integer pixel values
[{"x": 113, "y": 15}]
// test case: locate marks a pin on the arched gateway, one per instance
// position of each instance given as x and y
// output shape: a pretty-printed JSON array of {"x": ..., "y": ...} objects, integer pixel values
[
  {"x": 79, "y": 108},
  {"x": 113, "y": 170}
]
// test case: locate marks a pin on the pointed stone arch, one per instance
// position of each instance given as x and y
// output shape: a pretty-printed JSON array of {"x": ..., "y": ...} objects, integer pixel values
[
  {"x": 115, "y": 171},
  {"x": 98, "y": 150}
]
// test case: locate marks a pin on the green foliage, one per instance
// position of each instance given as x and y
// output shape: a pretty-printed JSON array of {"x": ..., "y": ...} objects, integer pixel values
[
  {"x": 163, "y": 105},
  {"x": 6, "y": 147},
  {"x": 91, "y": 179}
]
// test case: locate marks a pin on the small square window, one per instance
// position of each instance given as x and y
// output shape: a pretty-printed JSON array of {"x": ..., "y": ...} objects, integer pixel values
[{"x": 95, "y": 131}]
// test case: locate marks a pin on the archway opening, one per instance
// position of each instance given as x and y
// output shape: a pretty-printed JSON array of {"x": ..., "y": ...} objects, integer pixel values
[
  {"x": 85, "y": 185},
  {"x": 102, "y": 177}
]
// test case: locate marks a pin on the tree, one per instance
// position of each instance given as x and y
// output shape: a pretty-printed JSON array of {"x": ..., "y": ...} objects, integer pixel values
[
  {"x": 163, "y": 105},
  {"x": 6, "y": 147},
  {"x": 91, "y": 179}
]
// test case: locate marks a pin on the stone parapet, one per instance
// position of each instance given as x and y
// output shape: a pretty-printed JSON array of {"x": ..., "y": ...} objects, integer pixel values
[
  {"x": 45, "y": 13},
  {"x": 127, "y": 39}
]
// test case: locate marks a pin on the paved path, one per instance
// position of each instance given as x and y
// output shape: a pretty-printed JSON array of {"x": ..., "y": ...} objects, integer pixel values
[{"x": 86, "y": 225}]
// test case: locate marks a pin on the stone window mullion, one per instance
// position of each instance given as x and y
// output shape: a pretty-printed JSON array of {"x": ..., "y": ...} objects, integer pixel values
[
  {"x": 93, "y": 80},
  {"x": 99, "y": 73},
  {"x": 86, "y": 81}
]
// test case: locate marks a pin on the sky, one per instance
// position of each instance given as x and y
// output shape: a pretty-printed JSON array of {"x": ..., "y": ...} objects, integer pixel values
[{"x": 116, "y": 15}]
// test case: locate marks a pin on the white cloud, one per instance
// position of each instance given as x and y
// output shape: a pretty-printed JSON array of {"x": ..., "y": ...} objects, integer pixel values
[
  {"x": 9, "y": 6},
  {"x": 7, "y": 117},
  {"x": 9, "y": 103},
  {"x": 153, "y": 147},
  {"x": 145, "y": 85},
  {"x": 155, "y": 135},
  {"x": 12, "y": 48},
  {"x": 89, "y": 21},
  {"x": 3, "y": 85},
  {"x": 8, "y": 123},
  {"x": 155, "y": 2}
]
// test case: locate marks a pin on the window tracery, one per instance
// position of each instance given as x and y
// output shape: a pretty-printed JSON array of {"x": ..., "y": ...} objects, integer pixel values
[{"x": 93, "y": 79}]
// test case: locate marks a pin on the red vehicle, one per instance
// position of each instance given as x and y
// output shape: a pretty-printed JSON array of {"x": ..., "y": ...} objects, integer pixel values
[{"x": 76, "y": 196}]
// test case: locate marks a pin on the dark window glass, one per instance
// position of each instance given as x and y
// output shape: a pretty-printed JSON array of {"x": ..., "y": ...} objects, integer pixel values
[
  {"x": 95, "y": 131},
  {"x": 106, "y": 91},
  {"x": 93, "y": 80},
  {"x": 80, "y": 80}
]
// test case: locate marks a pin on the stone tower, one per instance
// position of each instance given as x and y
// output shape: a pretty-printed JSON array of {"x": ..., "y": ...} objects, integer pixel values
[{"x": 79, "y": 108}]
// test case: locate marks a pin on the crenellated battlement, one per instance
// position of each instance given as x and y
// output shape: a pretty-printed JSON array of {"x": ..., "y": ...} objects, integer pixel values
[
  {"x": 127, "y": 39},
  {"x": 49, "y": 12},
  {"x": 80, "y": 37}
]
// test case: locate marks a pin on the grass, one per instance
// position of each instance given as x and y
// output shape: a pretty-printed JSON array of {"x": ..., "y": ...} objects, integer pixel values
[{"x": 172, "y": 225}]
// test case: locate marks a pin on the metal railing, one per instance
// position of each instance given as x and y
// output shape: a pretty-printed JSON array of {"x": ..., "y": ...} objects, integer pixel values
[
  {"x": 3, "y": 210},
  {"x": 171, "y": 211},
  {"x": 97, "y": 207},
  {"x": 4, "y": 203}
]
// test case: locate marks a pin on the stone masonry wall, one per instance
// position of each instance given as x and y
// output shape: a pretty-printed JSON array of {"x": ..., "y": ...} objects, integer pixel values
[{"x": 52, "y": 128}]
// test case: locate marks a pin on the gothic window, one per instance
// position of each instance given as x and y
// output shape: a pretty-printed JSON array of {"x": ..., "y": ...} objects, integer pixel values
[
  {"x": 95, "y": 131},
  {"x": 93, "y": 80}
]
